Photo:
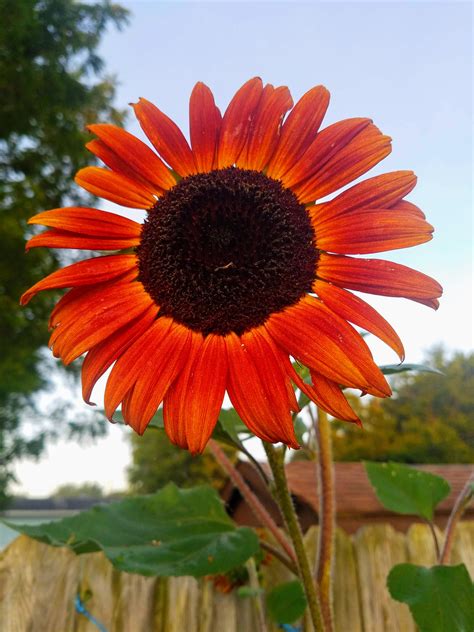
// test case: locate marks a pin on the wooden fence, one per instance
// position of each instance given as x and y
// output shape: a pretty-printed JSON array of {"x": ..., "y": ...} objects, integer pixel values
[{"x": 38, "y": 585}]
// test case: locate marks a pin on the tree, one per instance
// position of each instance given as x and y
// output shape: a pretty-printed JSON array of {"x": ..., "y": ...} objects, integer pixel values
[
  {"x": 52, "y": 84},
  {"x": 429, "y": 419},
  {"x": 71, "y": 490},
  {"x": 156, "y": 462}
]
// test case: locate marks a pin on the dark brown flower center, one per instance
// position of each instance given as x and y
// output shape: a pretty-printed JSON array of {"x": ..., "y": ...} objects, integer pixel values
[{"x": 221, "y": 251}]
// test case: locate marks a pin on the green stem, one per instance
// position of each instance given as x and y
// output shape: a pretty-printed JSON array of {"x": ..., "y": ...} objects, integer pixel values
[
  {"x": 290, "y": 565},
  {"x": 460, "y": 505},
  {"x": 435, "y": 538},
  {"x": 283, "y": 498},
  {"x": 327, "y": 510}
]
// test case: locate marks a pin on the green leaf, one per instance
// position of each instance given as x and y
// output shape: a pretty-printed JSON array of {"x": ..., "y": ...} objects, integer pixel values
[
  {"x": 392, "y": 369},
  {"x": 406, "y": 490},
  {"x": 300, "y": 429},
  {"x": 287, "y": 602},
  {"x": 302, "y": 370},
  {"x": 441, "y": 598},
  {"x": 245, "y": 592},
  {"x": 173, "y": 532},
  {"x": 156, "y": 421},
  {"x": 230, "y": 426}
]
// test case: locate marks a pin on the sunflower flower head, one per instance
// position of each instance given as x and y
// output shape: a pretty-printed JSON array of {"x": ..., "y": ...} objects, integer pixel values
[{"x": 242, "y": 264}]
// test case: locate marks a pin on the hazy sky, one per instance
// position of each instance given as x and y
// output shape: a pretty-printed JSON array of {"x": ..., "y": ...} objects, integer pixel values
[{"x": 407, "y": 65}]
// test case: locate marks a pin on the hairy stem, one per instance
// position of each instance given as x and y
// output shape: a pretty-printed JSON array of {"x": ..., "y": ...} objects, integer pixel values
[
  {"x": 460, "y": 505},
  {"x": 283, "y": 497},
  {"x": 278, "y": 553},
  {"x": 253, "y": 502},
  {"x": 327, "y": 510}
]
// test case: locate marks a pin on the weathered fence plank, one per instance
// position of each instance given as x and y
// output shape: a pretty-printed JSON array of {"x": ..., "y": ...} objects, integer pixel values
[
  {"x": 378, "y": 548},
  {"x": 142, "y": 592},
  {"x": 463, "y": 546},
  {"x": 38, "y": 585},
  {"x": 347, "y": 612},
  {"x": 421, "y": 548}
]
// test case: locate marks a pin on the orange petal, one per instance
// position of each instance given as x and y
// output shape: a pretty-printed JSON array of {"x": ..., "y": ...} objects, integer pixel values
[
  {"x": 250, "y": 396},
  {"x": 364, "y": 151},
  {"x": 129, "y": 366},
  {"x": 103, "y": 355},
  {"x": 93, "y": 320},
  {"x": 115, "y": 187},
  {"x": 331, "y": 399},
  {"x": 126, "y": 405},
  {"x": 324, "y": 393},
  {"x": 265, "y": 357},
  {"x": 237, "y": 121},
  {"x": 111, "y": 160},
  {"x": 327, "y": 144},
  {"x": 265, "y": 130},
  {"x": 268, "y": 356},
  {"x": 193, "y": 402},
  {"x": 364, "y": 231},
  {"x": 204, "y": 126},
  {"x": 71, "y": 300},
  {"x": 86, "y": 228},
  {"x": 166, "y": 137},
  {"x": 283, "y": 361},
  {"x": 292, "y": 375},
  {"x": 408, "y": 209},
  {"x": 63, "y": 239},
  {"x": 79, "y": 299},
  {"x": 135, "y": 154},
  {"x": 358, "y": 312},
  {"x": 164, "y": 359},
  {"x": 377, "y": 276},
  {"x": 379, "y": 192},
  {"x": 321, "y": 340},
  {"x": 88, "y": 272},
  {"x": 88, "y": 221},
  {"x": 299, "y": 130}
]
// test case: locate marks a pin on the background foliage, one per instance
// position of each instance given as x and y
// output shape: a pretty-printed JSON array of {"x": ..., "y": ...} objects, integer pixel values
[
  {"x": 428, "y": 419},
  {"x": 156, "y": 462},
  {"x": 52, "y": 83}
]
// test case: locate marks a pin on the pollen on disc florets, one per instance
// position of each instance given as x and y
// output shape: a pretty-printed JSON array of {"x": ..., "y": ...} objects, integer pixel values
[{"x": 221, "y": 251}]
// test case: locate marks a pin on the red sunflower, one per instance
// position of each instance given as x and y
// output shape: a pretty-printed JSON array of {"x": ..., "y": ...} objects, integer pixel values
[{"x": 237, "y": 267}]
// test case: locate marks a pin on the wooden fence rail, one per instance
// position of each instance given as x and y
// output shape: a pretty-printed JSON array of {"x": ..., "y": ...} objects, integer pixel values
[{"x": 38, "y": 585}]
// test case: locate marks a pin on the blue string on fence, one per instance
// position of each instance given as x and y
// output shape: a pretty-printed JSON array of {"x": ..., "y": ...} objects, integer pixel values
[{"x": 81, "y": 609}]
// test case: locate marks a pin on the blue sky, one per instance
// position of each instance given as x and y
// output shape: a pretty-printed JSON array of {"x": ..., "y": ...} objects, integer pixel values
[{"x": 407, "y": 65}]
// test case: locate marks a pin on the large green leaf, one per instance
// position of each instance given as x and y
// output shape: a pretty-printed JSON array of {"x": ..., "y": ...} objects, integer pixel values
[
  {"x": 441, "y": 598},
  {"x": 173, "y": 532},
  {"x": 393, "y": 369},
  {"x": 287, "y": 602},
  {"x": 406, "y": 490}
]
